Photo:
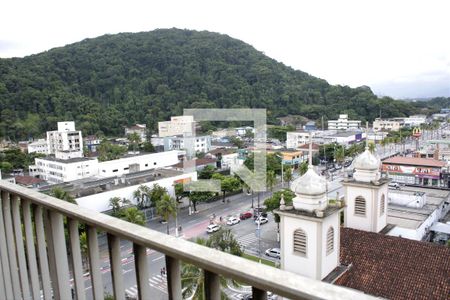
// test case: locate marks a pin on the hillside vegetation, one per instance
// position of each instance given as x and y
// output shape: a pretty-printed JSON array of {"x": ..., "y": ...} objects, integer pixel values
[{"x": 111, "y": 81}]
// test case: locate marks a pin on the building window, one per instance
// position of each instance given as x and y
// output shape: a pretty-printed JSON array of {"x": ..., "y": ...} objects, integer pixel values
[
  {"x": 382, "y": 205},
  {"x": 330, "y": 240},
  {"x": 300, "y": 242},
  {"x": 115, "y": 170},
  {"x": 360, "y": 206}
]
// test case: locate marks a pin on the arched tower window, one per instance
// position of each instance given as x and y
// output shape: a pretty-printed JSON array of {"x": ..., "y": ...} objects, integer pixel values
[
  {"x": 330, "y": 240},
  {"x": 360, "y": 206},
  {"x": 300, "y": 242},
  {"x": 382, "y": 205}
]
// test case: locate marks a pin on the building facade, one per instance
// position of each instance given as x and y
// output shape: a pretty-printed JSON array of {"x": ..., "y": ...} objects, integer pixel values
[
  {"x": 178, "y": 125},
  {"x": 414, "y": 170},
  {"x": 140, "y": 129},
  {"x": 55, "y": 170},
  {"x": 295, "y": 139},
  {"x": 66, "y": 141},
  {"x": 388, "y": 124},
  {"x": 415, "y": 120},
  {"x": 39, "y": 146},
  {"x": 191, "y": 144},
  {"x": 343, "y": 123}
]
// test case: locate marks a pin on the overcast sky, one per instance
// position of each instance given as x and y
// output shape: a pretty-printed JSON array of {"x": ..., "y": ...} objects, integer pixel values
[{"x": 399, "y": 48}]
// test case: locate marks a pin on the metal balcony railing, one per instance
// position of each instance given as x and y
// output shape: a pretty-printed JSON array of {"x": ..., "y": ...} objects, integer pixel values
[{"x": 36, "y": 261}]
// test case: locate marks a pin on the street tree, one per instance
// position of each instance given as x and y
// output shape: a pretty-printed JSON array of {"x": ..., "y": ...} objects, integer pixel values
[
  {"x": 197, "y": 197},
  {"x": 133, "y": 215},
  {"x": 288, "y": 175},
  {"x": 166, "y": 207},
  {"x": 227, "y": 184},
  {"x": 303, "y": 168},
  {"x": 271, "y": 180}
]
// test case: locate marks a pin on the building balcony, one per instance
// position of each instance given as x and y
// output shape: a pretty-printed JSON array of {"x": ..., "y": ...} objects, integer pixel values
[{"x": 41, "y": 258}]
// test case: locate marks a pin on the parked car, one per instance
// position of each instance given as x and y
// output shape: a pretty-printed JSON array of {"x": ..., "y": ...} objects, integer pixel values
[
  {"x": 273, "y": 252},
  {"x": 212, "y": 228},
  {"x": 245, "y": 215},
  {"x": 259, "y": 212},
  {"x": 395, "y": 185},
  {"x": 261, "y": 220},
  {"x": 232, "y": 221}
]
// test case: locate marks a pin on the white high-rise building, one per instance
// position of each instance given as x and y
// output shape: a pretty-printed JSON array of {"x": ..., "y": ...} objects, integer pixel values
[
  {"x": 366, "y": 195},
  {"x": 66, "y": 142},
  {"x": 178, "y": 125},
  {"x": 343, "y": 123}
]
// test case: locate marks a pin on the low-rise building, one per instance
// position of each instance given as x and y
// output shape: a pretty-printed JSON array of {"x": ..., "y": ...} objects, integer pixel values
[
  {"x": 197, "y": 164},
  {"x": 343, "y": 123},
  {"x": 38, "y": 146},
  {"x": 56, "y": 170},
  {"x": 178, "y": 125},
  {"x": 92, "y": 142},
  {"x": 140, "y": 129},
  {"x": 225, "y": 157},
  {"x": 413, "y": 211},
  {"x": 192, "y": 144},
  {"x": 415, "y": 120},
  {"x": 344, "y": 138},
  {"x": 295, "y": 139},
  {"x": 414, "y": 170},
  {"x": 137, "y": 163},
  {"x": 393, "y": 124},
  {"x": 29, "y": 181}
]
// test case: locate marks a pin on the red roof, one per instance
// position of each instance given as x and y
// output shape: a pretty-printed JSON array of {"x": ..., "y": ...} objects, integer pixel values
[
  {"x": 394, "y": 268},
  {"x": 414, "y": 161},
  {"x": 314, "y": 147},
  {"x": 27, "y": 180}
]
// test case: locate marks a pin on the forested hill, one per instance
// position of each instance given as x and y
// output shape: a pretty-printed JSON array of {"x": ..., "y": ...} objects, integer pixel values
[{"x": 111, "y": 81}]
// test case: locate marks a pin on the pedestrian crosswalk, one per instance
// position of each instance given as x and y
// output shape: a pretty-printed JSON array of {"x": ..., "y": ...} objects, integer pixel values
[
  {"x": 158, "y": 282},
  {"x": 247, "y": 239}
]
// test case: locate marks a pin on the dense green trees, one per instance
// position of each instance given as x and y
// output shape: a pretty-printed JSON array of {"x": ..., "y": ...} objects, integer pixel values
[{"x": 117, "y": 80}]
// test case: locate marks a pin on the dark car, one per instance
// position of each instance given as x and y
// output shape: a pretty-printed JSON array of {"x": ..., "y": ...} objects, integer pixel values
[
  {"x": 245, "y": 215},
  {"x": 259, "y": 211}
]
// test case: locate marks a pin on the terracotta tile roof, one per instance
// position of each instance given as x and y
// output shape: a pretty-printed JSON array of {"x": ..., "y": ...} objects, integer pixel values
[
  {"x": 393, "y": 267},
  {"x": 415, "y": 161},
  {"x": 314, "y": 146},
  {"x": 27, "y": 180}
]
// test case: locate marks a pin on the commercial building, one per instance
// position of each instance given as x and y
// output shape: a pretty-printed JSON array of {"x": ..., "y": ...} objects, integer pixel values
[
  {"x": 415, "y": 120},
  {"x": 140, "y": 129},
  {"x": 393, "y": 124},
  {"x": 343, "y": 123},
  {"x": 66, "y": 142},
  {"x": 39, "y": 146},
  {"x": 414, "y": 170},
  {"x": 344, "y": 138},
  {"x": 137, "y": 163},
  {"x": 56, "y": 170},
  {"x": 179, "y": 125}
]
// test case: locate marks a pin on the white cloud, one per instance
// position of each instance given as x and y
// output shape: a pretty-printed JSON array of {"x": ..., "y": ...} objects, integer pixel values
[{"x": 344, "y": 42}]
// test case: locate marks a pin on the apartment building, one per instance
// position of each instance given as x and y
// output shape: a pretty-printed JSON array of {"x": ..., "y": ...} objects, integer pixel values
[
  {"x": 295, "y": 139},
  {"x": 178, "y": 125},
  {"x": 192, "y": 144},
  {"x": 388, "y": 124},
  {"x": 39, "y": 146},
  {"x": 66, "y": 142},
  {"x": 343, "y": 123}
]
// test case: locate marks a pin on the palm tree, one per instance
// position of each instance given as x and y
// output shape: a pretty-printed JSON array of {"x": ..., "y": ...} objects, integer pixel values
[
  {"x": 142, "y": 194},
  {"x": 340, "y": 155},
  {"x": 271, "y": 180},
  {"x": 61, "y": 194},
  {"x": 372, "y": 147},
  {"x": 193, "y": 278},
  {"x": 134, "y": 139},
  {"x": 134, "y": 215},
  {"x": 116, "y": 204},
  {"x": 288, "y": 175},
  {"x": 166, "y": 207}
]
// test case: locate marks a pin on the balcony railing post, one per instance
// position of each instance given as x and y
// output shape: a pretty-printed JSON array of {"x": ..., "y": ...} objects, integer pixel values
[
  {"x": 2, "y": 283},
  {"x": 10, "y": 243},
  {"x": 6, "y": 271},
  {"x": 31, "y": 250},
  {"x": 51, "y": 253},
  {"x": 259, "y": 294},
  {"x": 212, "y": 286},
  {"x": 94, "y": 263},
  {"x": 173, "y": 278},
  {"x": 42, "y": 253},
  {"x": 116, "y": 266},
  {"x": 59, "y": 247},
  {"x": 140, "y": 261},
  {"x": 77, "y": 263},
  {"x": 23, "y": 270}
]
